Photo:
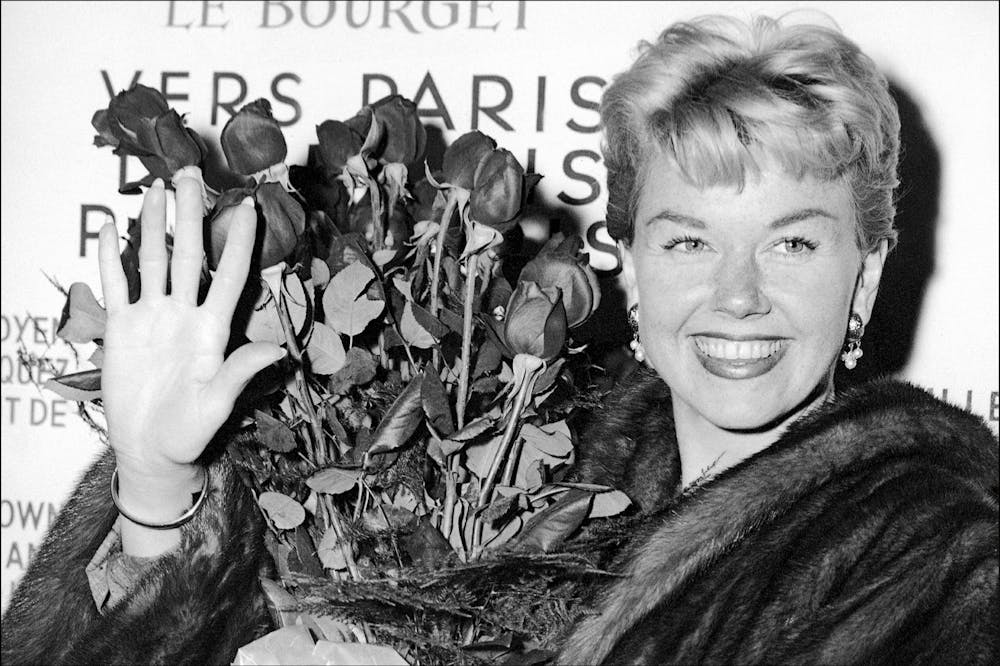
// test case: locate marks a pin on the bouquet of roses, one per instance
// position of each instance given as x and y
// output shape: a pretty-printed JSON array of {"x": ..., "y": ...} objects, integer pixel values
[{"x": 409, "y": 454}]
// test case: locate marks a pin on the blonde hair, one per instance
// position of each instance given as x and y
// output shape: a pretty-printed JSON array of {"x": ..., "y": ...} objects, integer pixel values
[{"x": 723, "y": 98}]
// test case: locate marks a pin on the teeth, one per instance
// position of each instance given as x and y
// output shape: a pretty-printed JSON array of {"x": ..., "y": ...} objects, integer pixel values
[{"x": 732, "y": 350}]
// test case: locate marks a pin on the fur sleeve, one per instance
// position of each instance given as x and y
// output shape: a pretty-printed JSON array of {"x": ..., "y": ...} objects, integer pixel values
[{"x": 196, "y": 605}]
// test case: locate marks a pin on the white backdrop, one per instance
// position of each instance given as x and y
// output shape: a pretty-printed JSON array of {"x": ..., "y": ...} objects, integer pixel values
[{"x": 540, "y": 64}]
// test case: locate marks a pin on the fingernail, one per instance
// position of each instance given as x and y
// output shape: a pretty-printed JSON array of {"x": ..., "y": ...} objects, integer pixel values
[
  {"x": 247, "y": 201},
  {"x": 157, "y": 184}
]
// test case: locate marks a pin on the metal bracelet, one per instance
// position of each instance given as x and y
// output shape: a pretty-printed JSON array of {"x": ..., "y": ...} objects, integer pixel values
[{"x": 181, "y": 520}]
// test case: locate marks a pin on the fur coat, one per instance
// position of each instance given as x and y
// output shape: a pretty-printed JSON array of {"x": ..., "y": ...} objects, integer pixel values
[
  {"x": 198, "y": 605},
  {"x": 866, "y": 534}
]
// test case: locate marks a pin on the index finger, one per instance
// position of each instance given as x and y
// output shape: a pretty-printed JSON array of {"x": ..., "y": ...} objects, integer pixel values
[{"x": 227, "y": 284}]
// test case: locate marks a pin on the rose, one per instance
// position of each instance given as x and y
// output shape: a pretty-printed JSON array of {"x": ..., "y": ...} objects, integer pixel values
[
  {"x": 338, "y": 142},
  {"x": 567, "y": 270},
  {"x": 138, "y": 122},
  {"x": 404, "y": 138},
  {"x": 462, "y": 158},
  {"x": 535, "y": 321},
  {"x": 282, "y": 216},
  {"x": 252, "y": 139},
  {"x": 497, "y": 190}
]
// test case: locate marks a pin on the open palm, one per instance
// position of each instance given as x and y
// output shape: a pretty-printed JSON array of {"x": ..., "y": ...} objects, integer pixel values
[{"x": 166, "y": 385}]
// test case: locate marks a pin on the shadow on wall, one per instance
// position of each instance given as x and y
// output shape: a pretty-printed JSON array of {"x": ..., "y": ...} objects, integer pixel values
[{"x": 889, "y": 336}]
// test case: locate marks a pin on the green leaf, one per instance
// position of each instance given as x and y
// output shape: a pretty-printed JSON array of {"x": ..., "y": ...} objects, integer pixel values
[
  {"x": 429, "y": 322},
  {"x": 400, "y": 421},
  {"x": 325, "y": 350},
  {"x": 551, "y": 526},
  {"x": 334, "y": 480},
  {"x": 78, "y": 387},
  {"x": 435, "y": 403},
  {"x": 264, "y": 325},
  {"x": 551, "y": 442},
  {"x": 345, "y": 303},
  {"x": 426, "y": 546},
  {"x": 83, "y": 318},
  {"x": 459, "y": 440},
  {"x": 274, "y": 434},
  {"x": 414, "y": 334},
  {"x": 358, "y": 369},
  {"x": 284, "y": 512}
]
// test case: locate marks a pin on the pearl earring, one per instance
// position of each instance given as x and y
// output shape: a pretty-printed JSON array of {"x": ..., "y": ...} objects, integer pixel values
[
  {"x": 635, "y": 345},
  {"x": 852, "y": 344}
]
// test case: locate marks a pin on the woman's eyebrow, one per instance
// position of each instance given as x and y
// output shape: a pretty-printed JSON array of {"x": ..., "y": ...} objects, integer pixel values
[
  {"x": 695, "y": 223},
  {"x": 679, "y": 218},
  {"x": 800, "y": 215}
]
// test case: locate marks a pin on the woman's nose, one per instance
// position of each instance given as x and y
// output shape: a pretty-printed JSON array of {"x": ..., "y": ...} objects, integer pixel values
[{"x": 739, "y": 287}]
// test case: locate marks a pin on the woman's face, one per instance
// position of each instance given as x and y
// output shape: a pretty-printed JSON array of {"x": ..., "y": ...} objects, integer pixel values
[{"x": 744, "y": 296}]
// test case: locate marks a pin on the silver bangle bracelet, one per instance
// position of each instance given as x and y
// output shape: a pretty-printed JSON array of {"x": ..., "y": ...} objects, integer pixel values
[{"x": 181, "y": 520}]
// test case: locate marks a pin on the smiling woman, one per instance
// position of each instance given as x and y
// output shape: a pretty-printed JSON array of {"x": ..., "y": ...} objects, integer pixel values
[
  {"x": 744, "y": 296},
  {"x": 751, "y": 171}
]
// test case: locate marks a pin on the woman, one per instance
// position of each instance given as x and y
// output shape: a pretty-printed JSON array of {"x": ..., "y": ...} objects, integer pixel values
[{"x": 751, "y": 172}]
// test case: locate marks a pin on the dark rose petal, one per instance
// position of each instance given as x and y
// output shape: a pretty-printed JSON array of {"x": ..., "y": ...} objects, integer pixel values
[
  {"x": 536, "y": 321},
  {"x": 176, "y": 145},
  {"x": 252, "y": 140},
  {"x": 462, "y": 158},
  {"x": 405, "y": 138},
  {"x": 337, "y": 142},
  {"x": 497, "y": 190}
]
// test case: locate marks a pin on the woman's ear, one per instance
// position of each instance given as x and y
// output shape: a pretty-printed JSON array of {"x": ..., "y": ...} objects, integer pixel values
[
  {"x": 628, "y": 274},
  {"x": 866, "y": 288}
]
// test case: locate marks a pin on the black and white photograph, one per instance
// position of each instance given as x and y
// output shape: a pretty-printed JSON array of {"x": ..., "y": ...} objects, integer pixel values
[{"x": 500, "y": 332}]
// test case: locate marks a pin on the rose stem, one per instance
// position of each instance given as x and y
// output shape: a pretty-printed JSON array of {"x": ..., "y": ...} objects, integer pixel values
[
  {"x": 513, "y": 425},
  {"x": 449, "y": 210},
  {"x": 300, "y": 379},
  {"x": 508, "y": 471},
  {"x": 345, "y": 550},
  {"x": 472, "y": 267},
  {"x": 375, "y": 191}
]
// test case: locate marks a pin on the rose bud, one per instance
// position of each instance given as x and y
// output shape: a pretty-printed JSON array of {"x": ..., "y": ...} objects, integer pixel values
[
  {"x": 404, "y": 138},
  {"x": 176, "y": 145},
  {"x": 252, "y": 140},
  {"x": 567, "y": 270},
  {"x": 139, "y": 122},
  {"x": 535, "y": 321},
  {"x": 337, "y": 142},
  {"x": 497, "y": 190},
  {"x": 462, "y": 158},
  {"x": 280, "y": 222},
  {"x": 284, "y": 222},
  {"x": 130, "y": 112}
]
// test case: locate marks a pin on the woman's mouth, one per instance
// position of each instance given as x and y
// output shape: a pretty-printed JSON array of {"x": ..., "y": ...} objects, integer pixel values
[{"x": 739, "y": 359}]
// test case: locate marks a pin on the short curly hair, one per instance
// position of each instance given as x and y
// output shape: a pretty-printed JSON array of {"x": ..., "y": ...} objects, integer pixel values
[{"x": 722, "y": 98}]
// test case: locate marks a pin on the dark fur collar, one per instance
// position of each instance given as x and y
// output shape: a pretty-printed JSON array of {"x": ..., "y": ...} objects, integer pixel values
[{"x": 862, "y": 428}]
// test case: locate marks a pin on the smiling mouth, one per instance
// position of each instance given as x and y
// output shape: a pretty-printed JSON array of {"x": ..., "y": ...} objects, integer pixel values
[
  {"x": 738, "y": 350},
  {"x": 739, "y": 359}
]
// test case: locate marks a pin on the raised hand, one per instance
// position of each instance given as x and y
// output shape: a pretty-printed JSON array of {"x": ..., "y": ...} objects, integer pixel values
[{"x": 166, "y": 386}]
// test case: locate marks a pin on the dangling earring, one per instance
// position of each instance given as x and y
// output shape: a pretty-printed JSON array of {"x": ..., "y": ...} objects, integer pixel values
[
  {"x": 635, "y": 344},
  {"x": 852, "y": 345}
]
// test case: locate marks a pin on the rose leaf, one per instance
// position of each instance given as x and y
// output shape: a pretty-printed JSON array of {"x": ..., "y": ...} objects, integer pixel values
[
  {"x": 284, "y": 512},
  {"x": 326, "y": 350}
]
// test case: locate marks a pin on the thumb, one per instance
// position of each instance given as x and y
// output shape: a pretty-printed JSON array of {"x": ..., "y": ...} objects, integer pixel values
[{"x": 237, "y": 371}]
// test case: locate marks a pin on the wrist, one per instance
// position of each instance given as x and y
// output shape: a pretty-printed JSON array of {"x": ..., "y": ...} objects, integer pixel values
[{"x": 159, "y": 495}]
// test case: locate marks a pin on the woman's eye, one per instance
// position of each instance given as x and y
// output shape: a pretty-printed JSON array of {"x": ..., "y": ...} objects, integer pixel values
[
  {"x": 796, "y": 245},
  {"x": 686, "y": 244}
]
